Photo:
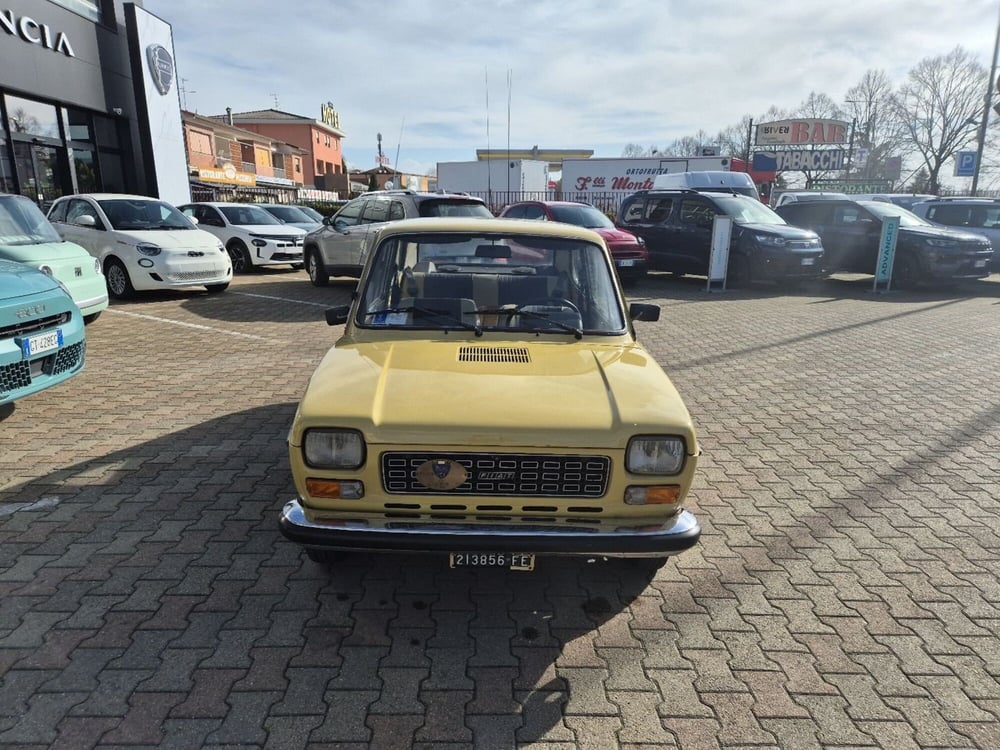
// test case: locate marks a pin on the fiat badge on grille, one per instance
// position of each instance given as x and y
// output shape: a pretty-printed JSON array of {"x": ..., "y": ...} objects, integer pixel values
[{"x": 441, "y": 474}]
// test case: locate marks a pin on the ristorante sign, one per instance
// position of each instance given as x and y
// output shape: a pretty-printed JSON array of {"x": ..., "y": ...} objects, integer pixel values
[{"x": 33, "y": 32}]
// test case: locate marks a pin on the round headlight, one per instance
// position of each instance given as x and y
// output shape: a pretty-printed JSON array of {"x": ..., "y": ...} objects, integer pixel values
[
  {"x": 259, "y": 243},
  {"x": 46, "y": 269}
]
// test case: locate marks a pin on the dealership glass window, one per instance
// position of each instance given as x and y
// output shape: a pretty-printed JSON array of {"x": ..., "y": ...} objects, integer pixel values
[
  {"x": 112, "y": 173},
  {"x": 6, "y": 168},
  {"x": 107, "y": 132},
  {"x": 31, "y": 117},
  {"x": 87, "y": 8},
  {"x": 319, "y": 167},
  {"x": 85, "y": 168},
  {"x": 78, "y": 125}
]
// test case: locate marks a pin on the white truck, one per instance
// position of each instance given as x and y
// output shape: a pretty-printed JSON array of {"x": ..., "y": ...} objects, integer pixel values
[
  {"x": 584, "y": 179},
  {"x": 493, "y": 175}
]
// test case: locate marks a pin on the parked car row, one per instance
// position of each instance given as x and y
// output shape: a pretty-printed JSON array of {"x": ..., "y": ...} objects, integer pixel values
[{"x": 808, "y": 236}]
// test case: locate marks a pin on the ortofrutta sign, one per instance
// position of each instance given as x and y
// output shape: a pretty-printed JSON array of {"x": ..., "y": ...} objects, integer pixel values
[{"x": 802, "y": 132}]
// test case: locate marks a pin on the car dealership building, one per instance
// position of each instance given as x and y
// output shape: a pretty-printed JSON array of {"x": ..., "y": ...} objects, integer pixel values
[{"x": 88, "y": 101}]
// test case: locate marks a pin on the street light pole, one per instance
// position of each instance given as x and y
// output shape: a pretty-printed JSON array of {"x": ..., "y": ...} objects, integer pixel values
[{"x": 986, "y": 112}]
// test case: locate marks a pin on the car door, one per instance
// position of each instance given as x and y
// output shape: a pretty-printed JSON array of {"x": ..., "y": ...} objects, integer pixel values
[
  {"x": 374, "y": 214},
  {"x": 341, "y": 237},
  {"x": 91, "y": 238},
  {"x": 854, "y": 234},
  {"x": 649, "y": 217},
  {"x": 692, "y": 245}
]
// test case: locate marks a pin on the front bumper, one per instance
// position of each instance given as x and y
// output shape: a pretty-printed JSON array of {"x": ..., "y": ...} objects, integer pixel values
[
  {"x": 361, "y": 532},
  {"x": 777, "y": 265}
]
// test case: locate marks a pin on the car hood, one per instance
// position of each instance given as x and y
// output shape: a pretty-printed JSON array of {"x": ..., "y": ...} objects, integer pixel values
[
  {"x": 616, "y": 236},
  {"x": 273, "y": 230},
  {"x": 187, "y": 239},
  {"x": 941, "y": 233},
  {"x": 782, "y": 230},
  {"x": 562, "y": 394},
  {"x": 44, "y": 252},
  {"x": 17, "y": 279}
]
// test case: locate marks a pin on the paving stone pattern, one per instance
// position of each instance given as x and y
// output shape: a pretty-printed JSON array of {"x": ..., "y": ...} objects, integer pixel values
[{"x": 846, "y": 592}]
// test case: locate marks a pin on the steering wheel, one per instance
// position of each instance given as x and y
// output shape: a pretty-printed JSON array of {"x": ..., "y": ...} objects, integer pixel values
[{"x": 548, "y": 302}]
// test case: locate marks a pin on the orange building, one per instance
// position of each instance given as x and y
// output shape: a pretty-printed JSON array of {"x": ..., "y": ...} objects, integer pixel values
[
  {"x": 228, "y": 159},
  {"x": 323, "y": 165}
]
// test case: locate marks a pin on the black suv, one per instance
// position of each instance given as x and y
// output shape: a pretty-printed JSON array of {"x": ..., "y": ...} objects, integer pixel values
[
  {"x": 338, "y": 247},
  {"x": 925, "y": 252},
  {"x": 677, "y": 228}
]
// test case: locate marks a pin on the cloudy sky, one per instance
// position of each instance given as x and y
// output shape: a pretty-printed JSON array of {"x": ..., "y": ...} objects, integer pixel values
[{"x": 432, "y": 76}]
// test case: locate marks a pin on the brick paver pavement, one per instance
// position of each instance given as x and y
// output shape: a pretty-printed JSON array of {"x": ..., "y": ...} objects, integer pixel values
[{"x": 846, "y": 592}]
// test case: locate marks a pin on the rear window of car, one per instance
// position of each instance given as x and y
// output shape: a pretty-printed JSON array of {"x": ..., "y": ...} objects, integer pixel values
[{"x": 452, "y": 207}]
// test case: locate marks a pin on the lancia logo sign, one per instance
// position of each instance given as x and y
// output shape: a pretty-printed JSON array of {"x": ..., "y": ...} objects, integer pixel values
[
  {"x": 161, "y": 67},
  {"x": 441, "y": 474}
]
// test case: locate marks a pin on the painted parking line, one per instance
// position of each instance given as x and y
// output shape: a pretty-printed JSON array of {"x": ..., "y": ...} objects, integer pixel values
[
  {"x": 196, "y": 326},
  {"x": 282, "y": 299}
]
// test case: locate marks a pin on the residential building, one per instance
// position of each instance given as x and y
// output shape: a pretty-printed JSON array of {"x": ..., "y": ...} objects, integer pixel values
[{"x": 323, "y": 162}]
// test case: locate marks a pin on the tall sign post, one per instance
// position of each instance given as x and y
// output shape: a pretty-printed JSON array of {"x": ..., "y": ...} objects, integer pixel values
[
  {"x": 984, "y": 120},
  {"x": 886, "y": 254}
]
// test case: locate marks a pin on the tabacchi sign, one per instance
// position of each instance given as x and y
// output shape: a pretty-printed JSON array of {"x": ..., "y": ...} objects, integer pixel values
[
  {"x": 33, "y": 32},
  {"x": 801, "y": 132}
]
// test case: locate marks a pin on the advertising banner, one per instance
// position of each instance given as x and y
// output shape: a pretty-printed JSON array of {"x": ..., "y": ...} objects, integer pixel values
[
  {"x": 154, "y": 76},
  {"x": 800, "y": 132},
  {"x": 886, "y": 251},
  {"x": 793, "y": 160},
  {"x": 718, "y": 261}
]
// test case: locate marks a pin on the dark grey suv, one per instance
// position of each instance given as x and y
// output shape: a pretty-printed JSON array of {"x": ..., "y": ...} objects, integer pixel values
[
  {"x": 677, "y": 228},
  {"x": 338, "y": 247}
]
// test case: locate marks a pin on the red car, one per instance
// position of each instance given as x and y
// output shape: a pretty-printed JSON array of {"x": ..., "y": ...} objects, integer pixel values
[{"x": 629, "y": 252}]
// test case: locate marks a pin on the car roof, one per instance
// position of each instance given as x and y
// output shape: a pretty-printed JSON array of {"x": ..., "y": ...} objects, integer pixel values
[
  {"x": 489, "y": 226},
  {"x": 421, "y": 194},
  {"x": 112, "y": 196},
  {"x": 550, "y": 203}
]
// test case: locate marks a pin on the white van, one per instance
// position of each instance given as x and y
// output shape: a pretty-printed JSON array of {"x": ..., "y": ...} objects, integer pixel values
[
  {"x": 707, "y": 181},
  {"x": 795, "y": 196}
]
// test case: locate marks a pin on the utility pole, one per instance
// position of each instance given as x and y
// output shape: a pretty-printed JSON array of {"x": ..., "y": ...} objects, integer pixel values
[{"x": 986, "y": 112}]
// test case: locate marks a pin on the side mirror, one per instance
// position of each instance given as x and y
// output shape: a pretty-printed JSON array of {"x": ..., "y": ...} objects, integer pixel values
[
  {"x": 327, "y": 220},
  {"x": 340, "y": 225},
  {"x": 336, "y": 316},
  {"x": 643, "y": 311},
  {"x": 86, "y": 220},
  {"x": 192, "y": 220}
]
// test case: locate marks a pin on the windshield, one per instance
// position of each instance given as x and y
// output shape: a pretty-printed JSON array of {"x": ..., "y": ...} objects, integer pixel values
[
  {"x": 453, "y": 207},
  {"x": 906, "y": 218},
  {"x": 141, "y": 214},
  {"x": 311, "y": 212},
  {"x": 491, "y": 282},
  {"x": 22, "y": 223},
  {"x": 244, "y": 214},
  {"x": 582, "y": 216},
  {"x": 746, "y": 210},
  {"x": 290, "y": 214}
]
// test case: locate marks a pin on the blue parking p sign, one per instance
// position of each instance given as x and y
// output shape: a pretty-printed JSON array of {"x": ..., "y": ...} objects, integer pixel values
[{"x": 965, "y": 164}]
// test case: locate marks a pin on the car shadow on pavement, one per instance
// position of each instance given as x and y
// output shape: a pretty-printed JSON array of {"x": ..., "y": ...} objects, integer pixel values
[
  {"x": 177, "y": 538},
  {"x": 277, "y": 300}
]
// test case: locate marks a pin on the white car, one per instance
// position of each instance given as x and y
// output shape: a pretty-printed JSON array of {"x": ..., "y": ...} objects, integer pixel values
[
  {"x": 252, "y": 236},
  {"x": 142, "y": 243},
  {"x": 292, "y": 216}
]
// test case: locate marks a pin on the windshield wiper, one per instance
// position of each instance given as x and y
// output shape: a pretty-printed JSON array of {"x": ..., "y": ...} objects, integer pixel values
[
  {"x": 577, "y": 332},
  {"x": 429, "y": 312}
]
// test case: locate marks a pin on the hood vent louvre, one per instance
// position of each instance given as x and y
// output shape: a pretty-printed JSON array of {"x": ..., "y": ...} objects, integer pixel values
[{"x": 514, "y": 354}]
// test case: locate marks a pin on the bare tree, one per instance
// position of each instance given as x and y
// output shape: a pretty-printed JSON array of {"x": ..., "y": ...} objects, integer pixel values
[
  {"x": 870, "y": 105},
  {"x": 634, "y": 150},
  {"x": 939, "y": 108}
]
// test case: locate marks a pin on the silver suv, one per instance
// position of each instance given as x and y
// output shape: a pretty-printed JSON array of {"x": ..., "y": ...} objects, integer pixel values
[
  {"x": 978, "y": 215},
  {"x": 338, "y": 247}
]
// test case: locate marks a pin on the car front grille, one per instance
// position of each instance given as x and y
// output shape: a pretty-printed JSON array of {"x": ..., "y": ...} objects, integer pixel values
[
  {"x": 27, "y": 327},
  {"x": 503, "y": 475},
  {"x": 19, "y": 374},
  {"x": 281, "y": 240},
  {"x": 193, "y": 276}
]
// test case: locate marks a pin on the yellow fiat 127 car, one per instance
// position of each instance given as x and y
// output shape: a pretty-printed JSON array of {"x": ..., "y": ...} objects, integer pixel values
[{"x": 489, "y": 401}]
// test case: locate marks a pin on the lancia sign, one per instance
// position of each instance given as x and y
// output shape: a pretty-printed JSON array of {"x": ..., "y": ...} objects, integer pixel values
[{"x": 161, "y": 67}]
